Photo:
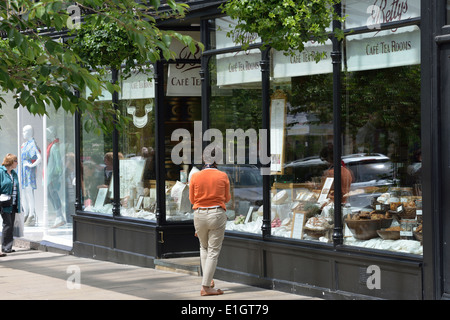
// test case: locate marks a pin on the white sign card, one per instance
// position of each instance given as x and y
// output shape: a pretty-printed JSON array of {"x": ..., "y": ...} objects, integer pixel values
[
  {"x": 297, "y": 225},
  {"x": 277, "y": 127},
  {"x": 325, "y": 190},
  {"x": 249, "y": 214}
]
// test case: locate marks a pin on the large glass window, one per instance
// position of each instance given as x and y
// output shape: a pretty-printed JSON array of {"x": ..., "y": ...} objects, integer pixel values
[
  {"x": 382, "y": 148},
  {"x": 182, "y": 109},
  {"x": 137, "y": 160},
  {"x": 305, "y": 144},
  {"x": 60, "y": 173},
  {"x": 380, "y": 142},
  {"x": 137, "y": 180},
  {"x": 235, "y": 110}
]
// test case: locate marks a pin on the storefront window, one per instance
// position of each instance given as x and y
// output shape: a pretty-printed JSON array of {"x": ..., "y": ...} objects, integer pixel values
[
  {"x": 60, "y": 174},
  {"x": 235, "y": 110},
  {"x": 381, "y": 160},
  {"x": 382, "y": 149},
  {"x": 96, "y": 171},
  {"x": 381, "y": 140},
  {"x": 137, "y": 160},
  {"x": 182, "y": 105},
  {"x": 45, "y": 150},
  {"x": 301, "y": 205},
  {"x": 136, "y": 155}
]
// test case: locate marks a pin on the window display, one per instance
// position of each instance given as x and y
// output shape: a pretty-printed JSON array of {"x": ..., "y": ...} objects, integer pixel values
[
  {"x": 385, "y": 133},
  {"x": 235, "y": 110},
  {"x": 137, "y": 178},
  {"x": 304, "y": 187},
  {"x": 60, "y": 174},
  {"x": 381, "y": 159},
  {"x": 182, "y": 106}
]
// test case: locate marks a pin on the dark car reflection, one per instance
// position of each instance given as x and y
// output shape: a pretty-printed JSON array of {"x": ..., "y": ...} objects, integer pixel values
[
  {"x": 372, "y": 172},
  {"x": 246, "y": 184}
]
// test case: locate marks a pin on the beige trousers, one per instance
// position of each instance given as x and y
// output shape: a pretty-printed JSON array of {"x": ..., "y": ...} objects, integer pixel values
[{"x": 210, "y": 227}]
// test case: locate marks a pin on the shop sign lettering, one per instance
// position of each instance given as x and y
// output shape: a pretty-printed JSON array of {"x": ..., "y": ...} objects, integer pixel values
[
  {"x": 184, "y": 77},
  {"x": 384, "y": 11},
  {"x": 374, "y": 13},
  {"x": 387, "y": 47}
]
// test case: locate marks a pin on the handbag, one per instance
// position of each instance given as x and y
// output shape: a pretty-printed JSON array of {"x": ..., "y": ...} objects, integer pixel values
[{"x": 5, "y": 200}]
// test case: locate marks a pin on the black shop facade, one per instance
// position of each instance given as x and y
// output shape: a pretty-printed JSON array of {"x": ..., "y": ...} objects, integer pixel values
[{"x": 375, "y": 105}]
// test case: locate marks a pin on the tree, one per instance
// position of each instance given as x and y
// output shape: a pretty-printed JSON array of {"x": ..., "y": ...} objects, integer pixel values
[
  {"x": 284, "y": 25},
  {"x": 44, "y": 72}
]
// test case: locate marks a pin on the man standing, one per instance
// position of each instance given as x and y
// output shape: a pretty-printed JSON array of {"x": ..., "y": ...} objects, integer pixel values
[{"x": 209, "y": 190}]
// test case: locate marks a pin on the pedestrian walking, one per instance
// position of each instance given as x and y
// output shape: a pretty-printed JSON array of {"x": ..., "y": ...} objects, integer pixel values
[
  {"x": 9, "y": 185},
  {"x": 209, "y": 191}
]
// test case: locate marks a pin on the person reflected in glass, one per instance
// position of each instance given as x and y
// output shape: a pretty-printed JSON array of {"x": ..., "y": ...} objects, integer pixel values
[
  {"x": 9, "y": 185},
  {"x": 326, "y": 154},
  {"x": 108, "y": 168}
]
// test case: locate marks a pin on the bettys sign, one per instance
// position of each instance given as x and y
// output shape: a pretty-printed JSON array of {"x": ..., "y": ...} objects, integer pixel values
[{"x": 373, "y": 13}]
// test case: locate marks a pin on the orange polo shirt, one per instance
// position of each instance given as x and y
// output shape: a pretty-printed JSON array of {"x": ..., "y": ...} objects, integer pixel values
[{"x": 209, "y": 188}]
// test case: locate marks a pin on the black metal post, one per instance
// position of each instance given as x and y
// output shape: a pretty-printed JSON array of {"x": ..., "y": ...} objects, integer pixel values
[
  {"x": 78, "y": 183},
  {"x": 115, "y": 140},
  {"x": 336, "y": 57},
  {"x": 204, "y": 76},
  {"x": 265, "y": 81},
  {"x": 160, "y": 147}
]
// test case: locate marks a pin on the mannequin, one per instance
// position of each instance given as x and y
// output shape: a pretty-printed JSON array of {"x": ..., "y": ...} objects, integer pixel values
[
  {"x": 31, "y": 158},
  {"x": 54, "y": 175}
]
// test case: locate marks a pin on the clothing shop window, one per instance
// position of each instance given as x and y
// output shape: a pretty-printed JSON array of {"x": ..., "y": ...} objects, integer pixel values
[
  {"x": 235, "y": 111},
  {"x": 60, "y": 171}
]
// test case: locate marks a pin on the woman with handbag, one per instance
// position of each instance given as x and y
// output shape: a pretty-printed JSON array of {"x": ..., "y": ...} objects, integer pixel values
[{"x": 9, "y": 186}]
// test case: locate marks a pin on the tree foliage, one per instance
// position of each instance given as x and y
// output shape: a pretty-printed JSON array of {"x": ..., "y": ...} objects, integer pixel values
[
  {"x": 283, "y": 24},
  {"x": 44, "y": 72}
]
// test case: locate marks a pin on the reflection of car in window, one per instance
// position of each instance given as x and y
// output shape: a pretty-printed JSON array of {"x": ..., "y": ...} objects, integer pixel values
[
  {"x": 369, "y": 170},
  {"x": 245, "y": 181}
]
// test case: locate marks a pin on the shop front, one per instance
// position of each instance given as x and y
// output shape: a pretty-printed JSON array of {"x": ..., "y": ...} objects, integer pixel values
[
  {"x": 46, "y": 167},
  {"x": 284, "y": 124}
]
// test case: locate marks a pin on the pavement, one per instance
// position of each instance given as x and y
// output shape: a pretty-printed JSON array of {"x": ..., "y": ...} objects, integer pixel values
[{"x": 33, "y": 274}]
